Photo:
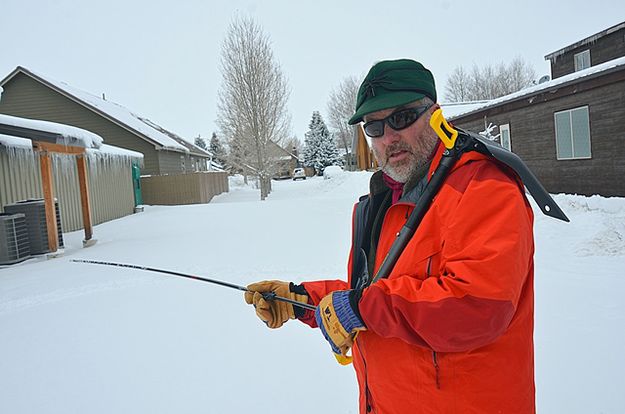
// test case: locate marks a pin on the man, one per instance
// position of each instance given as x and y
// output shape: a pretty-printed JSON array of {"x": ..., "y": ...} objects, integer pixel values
[{"x": 450, "y": 330}]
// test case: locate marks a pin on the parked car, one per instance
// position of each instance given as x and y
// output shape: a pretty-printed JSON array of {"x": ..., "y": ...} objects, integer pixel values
[{"x": 299, "y": 173}]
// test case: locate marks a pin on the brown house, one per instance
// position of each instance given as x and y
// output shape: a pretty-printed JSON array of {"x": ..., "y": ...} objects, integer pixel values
[
  {"x": 285, "y": 162},
  {"x": 569, "y": 130},
  {"x": 30, "y": 95},
  {"x": 602, "y": 47},
  {"x": 365, "y": 160}
]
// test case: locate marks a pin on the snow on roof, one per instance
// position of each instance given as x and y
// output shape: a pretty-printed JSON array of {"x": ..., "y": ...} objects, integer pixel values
[
  {"x": 214, "y": 166},
  {"x": 111, "y": 110},
  {"x": 15, "y": 142},
  {"x": 590, "y": 39},
  {"x": 88, "y": 139},
  {"x": 115, "y": 151},
  {"x": 451, "y": 109},
  {"x": 191, "y": 147},
  {"x": 593, "y": 70}
]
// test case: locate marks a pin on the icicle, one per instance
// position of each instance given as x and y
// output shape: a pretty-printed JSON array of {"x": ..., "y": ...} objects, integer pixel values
[
  {"x": 100, "y": 162},
  {"x": 23, "y": 157},
  {"x": 93, "y": 163},
  {"x": 65, "y": 164}
]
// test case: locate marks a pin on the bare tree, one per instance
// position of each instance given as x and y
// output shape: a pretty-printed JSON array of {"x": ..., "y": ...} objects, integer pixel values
[
  {"x": 521, "y": 74},
  {"x": 252, "y": 105},
  {"x": 458, "y": 85},
  {"x": 341, "y": 107},
  {"x": 293, "y": 145},
  {"x": 488, "y": 82}
]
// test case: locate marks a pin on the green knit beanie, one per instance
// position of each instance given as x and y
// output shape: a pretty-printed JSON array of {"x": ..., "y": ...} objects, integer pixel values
[{"x": 392, "y": 83}]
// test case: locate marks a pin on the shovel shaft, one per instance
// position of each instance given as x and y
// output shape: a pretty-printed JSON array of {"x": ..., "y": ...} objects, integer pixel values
[{"x": 266, "y": 295}]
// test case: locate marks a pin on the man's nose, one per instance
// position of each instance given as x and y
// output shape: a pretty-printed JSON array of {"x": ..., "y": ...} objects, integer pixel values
[{"x": 390, "y": 135}]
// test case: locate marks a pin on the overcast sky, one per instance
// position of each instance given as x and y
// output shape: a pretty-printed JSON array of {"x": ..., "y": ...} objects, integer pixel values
[{"x": 160, "y": 59}]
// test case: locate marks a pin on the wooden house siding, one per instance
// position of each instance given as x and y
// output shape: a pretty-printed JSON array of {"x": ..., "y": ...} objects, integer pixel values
[
  {"x": 171, "y": 162},
  {"x": 532, "y": 134},
  {"x": 27, "y": 98},
  {"x": 606, "y": 48}
]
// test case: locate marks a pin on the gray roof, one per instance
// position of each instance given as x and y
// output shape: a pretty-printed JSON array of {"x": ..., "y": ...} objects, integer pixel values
[{"x": 142, "y": 127}]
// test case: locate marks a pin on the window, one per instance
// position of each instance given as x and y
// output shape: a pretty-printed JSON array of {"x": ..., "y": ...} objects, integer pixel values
[
  {"x": 582, "y": 60},
  {"x": 572, "y": 134},
  {"x": 504, "y": 136}
]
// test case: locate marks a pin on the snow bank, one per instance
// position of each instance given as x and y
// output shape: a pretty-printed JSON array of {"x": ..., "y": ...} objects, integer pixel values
[
  {"x": 599, "y": 223},
  {"x": 237, "y": 182},
  {"x": 332, "y": 171}
]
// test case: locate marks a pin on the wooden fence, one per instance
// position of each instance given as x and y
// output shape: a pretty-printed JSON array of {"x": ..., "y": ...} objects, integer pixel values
[{"x": 194, "y": 188}]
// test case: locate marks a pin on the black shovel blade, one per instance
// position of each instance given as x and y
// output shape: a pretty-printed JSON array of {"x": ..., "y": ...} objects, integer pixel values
[{"x": 546, "y": 204}]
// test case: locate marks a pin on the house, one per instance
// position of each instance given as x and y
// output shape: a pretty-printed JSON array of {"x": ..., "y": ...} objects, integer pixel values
[
  {"x": 31, "y": 95},
  {"x": 361, "y": 147},
  {"x": 594, "y": 50},
  {"x": 284, "y": 160},
  {"x": 279, "y": 161},
  {"x": 568, "y": 130},
  {"x": 92, "y": 182}
]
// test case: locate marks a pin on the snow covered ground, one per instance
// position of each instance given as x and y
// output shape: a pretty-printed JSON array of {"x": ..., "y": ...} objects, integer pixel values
[{"x": 77, "y": 338}]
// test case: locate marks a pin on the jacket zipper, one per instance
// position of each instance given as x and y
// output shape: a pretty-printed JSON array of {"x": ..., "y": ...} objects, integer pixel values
[
  {"x": 428, "y": 270},
  {"x": 437, "y": 369},
  {"x": 368, "y": 399},
  {"x": 434, "y": 355}
]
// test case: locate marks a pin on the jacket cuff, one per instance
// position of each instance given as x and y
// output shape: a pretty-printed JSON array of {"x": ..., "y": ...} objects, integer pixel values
[
  {"x": 301, "y": 313},
  {"x": 354, "y": 301}
]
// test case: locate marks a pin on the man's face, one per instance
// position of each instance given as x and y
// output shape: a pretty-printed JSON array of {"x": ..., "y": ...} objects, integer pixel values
[{"x": 401, "y": 153}]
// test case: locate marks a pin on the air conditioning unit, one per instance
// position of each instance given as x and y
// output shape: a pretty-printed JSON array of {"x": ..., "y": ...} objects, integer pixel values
[
  {"x": 34, "y": 211},
  {"x": 13, "y": 238}
]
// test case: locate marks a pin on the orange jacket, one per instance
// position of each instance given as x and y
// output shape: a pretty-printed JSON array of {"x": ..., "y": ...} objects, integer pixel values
[{"x": 451, "y": 329}]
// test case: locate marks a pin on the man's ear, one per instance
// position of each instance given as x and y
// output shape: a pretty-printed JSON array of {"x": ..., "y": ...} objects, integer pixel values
[{"x": 430, "y": 111}]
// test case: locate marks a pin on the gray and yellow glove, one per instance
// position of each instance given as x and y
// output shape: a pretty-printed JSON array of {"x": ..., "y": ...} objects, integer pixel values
[{"x": 274, "y": 313}]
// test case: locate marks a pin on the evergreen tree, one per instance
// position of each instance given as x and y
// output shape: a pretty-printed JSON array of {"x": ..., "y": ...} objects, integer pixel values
[
  {"x": 199, "y": 142},
  {"x": 219, "y": 153},
  {"x": 320, "y": 147}
]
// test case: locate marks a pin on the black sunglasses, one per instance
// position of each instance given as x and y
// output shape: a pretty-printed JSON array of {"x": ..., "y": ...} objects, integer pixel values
[{"x": 398, "y": 120}]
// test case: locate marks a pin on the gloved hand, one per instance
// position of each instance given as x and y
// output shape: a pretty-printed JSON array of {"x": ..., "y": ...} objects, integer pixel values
[
  {"x": 273, "y": 312},
  {"x": 338, "y": 320}
]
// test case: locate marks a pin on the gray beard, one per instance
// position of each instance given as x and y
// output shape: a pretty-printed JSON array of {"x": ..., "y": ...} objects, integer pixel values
[{"x": 402, "y": 172}]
